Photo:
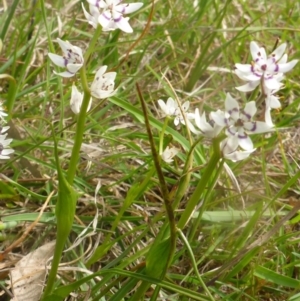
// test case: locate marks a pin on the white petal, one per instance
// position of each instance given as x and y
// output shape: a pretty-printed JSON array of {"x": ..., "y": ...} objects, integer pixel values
[
  {"x": 229, "y": 145},
  {"x": 64, "y": 45},
  {"x": 283, "y": 59},
  {"x": 268, "y": 118},
  {"x": 104, "y": 20},
  {"x": 64, "y": 74},
  {"x": 287, "y": 66},
  {"x": 260, "y": 127},
  {"x": 4, "y": 129},
  {"x": 201, "y": 122},
  {"x": 191, "y": 127},
  {"x": 163, "y": 106},
  {"x": 219, "y": 118},
  {"x": 272, "y": 84},
  {"x": 57, "y": 59},
  {"x": 169, "y": 153},
  {"x": 250, "y": 108},
  {"x": 100, "y": 71},
  {"x": 232, "y": 107},
  {"x": 254, "y": 49},
  {"x": 238, "y": 155},
  {"x": 278, "y": 52},
  {"x": 110, "y": 76},
  {"x": 171, "y": 103},
  {"x": 91, "y": 19},
  {"x": 123, "y": 24},
  {"x": 246, "y": 143},
  {"x": 273, "y": 102},
  {"x": 129, "y": 8},
  {"x": 7, "y": 151},
  {"x": 76, "y": 100},
  {"x": 243, "y": 67},
  {"x": 176, "y": 121},
  {"x": 185, "y": 106},
  {"x": 248, "y": 87},
  {"x": 73, "y": 68}
]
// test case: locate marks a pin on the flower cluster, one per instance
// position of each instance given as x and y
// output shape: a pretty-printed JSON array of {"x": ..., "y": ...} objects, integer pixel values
[
  {"x": 238, "y": 124},
  {"x": 110, "y": 14},
  {"x": 5, "y": 150},
  {"x": 267, "y": 71}
]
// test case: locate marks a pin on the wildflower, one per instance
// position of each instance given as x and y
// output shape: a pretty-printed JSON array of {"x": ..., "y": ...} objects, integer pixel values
[
  {"x": 111, "y": 14},
  {"x": 5, "y": 150},
  {"x": 72, "y": 58},
  {"x": 169, "y": 153},
  {"x": 171, "y": 108},
  {"x": 103, "y": 84},
  {"x": 239, "y": 123},
  {"x": 209, "y": 129},
  {"x": 229, "y": 150},
  {"x": 267, "y": 70},
  {"x": 76, "y": 100}
]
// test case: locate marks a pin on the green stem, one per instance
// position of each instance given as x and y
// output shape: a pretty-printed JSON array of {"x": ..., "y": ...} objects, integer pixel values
[
  {"x": 194, "y": 200},
  {"x": 194, "y": 263},
  {"x": 80, "y": 127},
  {"x": 161, "y": 136}
]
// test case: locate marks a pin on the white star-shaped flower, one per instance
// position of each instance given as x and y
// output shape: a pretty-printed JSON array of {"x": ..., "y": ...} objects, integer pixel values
[
  {"x": 268, "y": 70},
  {"x": 110, "y": 14},
  {"x": 238, "y": 123},
  {"x": 169, "y": 153},
  {"x": 103, "y": 84},
  {"x": 71, "y": 59},
  {"x": 171, "y": 108}
]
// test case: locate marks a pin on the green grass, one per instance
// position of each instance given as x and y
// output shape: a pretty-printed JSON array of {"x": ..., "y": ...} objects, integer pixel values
[{"x": 235, "y": 245}]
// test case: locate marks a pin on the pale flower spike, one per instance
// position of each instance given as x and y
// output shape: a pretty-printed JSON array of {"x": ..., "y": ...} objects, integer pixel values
[
  {"x": 76, "y": 100},
  {"x": 268, "y": 70},
  {"x": 72, "y": 58},
  {"x": 110, "y": 14},
  {"x": 239, "y": 123},
  {"x": 103, "y": 84}
]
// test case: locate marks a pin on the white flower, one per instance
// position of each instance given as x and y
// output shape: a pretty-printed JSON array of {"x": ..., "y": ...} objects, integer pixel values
[
  {"x": 76, "y": 100},
  {"x": 268, "y": 70},
  {"x": 229, "y": 150},
  {"x": 103, "y": 84},
  {"x": 5, "y": 150},
  {"x": 208, "y": 129},
  {"x": 110, "y": 14},
  {"x": 169, "y": 153},
  {"x": 171, "y": 108},
  {"x": 239, "y": 123},
  {"x": 71, "y": 59}
]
